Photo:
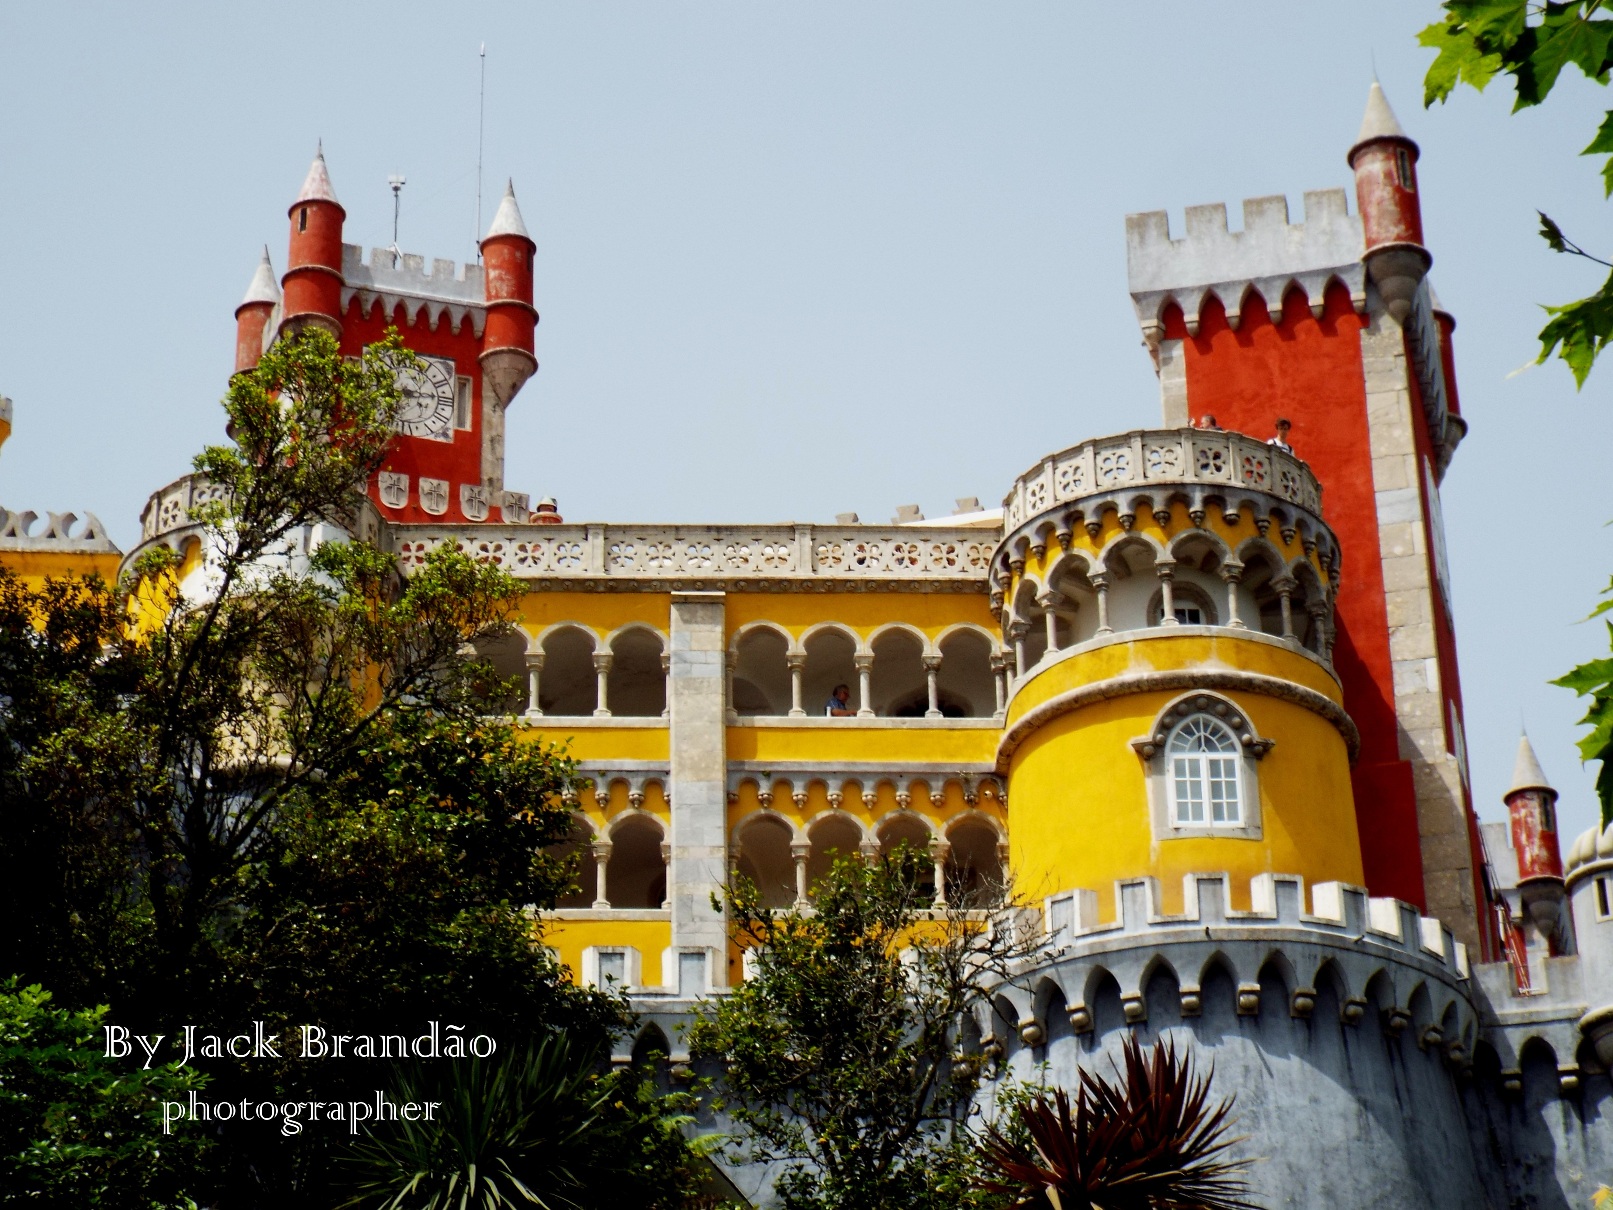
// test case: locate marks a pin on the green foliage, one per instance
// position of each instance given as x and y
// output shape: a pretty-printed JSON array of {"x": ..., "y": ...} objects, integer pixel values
[
  {"x": 274, "y": 795},
  {"x": 78, "y": 1129},
  {"x": 539, "y": 1127},
  {"x": 842, "y": 1043},
  {"x": 1151, "y": 1137},
  {"x": 1595, "y": 681},
  {"x": 1533, "y": 43}
]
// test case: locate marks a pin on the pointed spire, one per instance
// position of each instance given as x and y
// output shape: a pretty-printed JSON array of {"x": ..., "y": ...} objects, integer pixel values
[
  {"x": 264, "y": 288},
  {"x": 1379, "y": 121},
  {"x": 317, "y": 187},
  {"x": 508, "y": 219},
  {"x": 1527, "y": 773}
]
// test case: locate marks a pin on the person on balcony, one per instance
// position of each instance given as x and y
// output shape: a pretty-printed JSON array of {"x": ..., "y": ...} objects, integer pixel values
[
  {"x": 1281, "y": 439},
  {"x": 839, "y": 703}
]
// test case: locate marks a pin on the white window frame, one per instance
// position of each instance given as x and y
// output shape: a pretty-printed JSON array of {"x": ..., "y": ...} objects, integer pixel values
[
  {"x": 1204, "y": 774},
  {"x": 1159, "y": 770},
  {"x": 464, "y": 404}
]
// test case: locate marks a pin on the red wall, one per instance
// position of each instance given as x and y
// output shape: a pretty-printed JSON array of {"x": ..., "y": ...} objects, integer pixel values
[
  {"x": 1309, "y": 370},
  {"x": 459, "y": 461}
]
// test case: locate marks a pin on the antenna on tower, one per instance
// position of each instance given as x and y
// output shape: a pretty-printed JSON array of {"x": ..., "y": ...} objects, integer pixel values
[
  {"x": 481, "y": 122},
  {"x": 397, "y": 182}
]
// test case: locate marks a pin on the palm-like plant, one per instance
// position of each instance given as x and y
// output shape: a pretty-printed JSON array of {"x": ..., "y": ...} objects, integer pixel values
[
  {"x": 507, "y": 1125},
  {"x": 1150, "y": 1140}
]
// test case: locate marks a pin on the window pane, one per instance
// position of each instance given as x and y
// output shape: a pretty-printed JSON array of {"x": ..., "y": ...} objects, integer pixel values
[
  {"x": 1223, "y": 789},
  {"x": 1188, "y": 775}
]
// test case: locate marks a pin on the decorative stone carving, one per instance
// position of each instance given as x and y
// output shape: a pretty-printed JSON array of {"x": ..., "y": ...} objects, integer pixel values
[
  {"x": 434, "y": 496},
  {"x": 473, "y": 501},
  {"x": 516, "y": 507},
  {"x": 393, "y": 487}
]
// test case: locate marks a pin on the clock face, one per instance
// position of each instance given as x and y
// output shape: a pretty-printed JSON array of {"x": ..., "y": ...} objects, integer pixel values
[{"x": 427, "y": 407}]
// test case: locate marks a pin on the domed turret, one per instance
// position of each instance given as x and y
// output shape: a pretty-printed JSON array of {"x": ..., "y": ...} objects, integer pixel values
[
  {"x": 313, "y": 281},
  {"x": 252, "y": 316},
  {"x": 1384, "y": 161}
]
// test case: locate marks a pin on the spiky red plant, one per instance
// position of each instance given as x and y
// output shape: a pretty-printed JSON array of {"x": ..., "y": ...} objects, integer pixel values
[{"x": 1150, "y": 1140}]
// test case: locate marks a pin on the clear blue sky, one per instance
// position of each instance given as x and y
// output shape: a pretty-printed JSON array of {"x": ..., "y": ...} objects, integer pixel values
[{"x": 793, "y": 259}]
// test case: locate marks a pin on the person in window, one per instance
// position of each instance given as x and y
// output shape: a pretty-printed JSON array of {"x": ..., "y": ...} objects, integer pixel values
[
  {"x": 1208, "y": 421},
  {"x": 839, "y": 703},
  {"x": 1281, "y": 439}
]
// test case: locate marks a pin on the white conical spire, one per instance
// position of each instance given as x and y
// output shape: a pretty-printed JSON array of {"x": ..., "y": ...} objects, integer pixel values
[
  {"x": 264, "y": 288},
  {"x": 1527, "y": 773},
  {"x": 508, "y": 219},
  {"x": 1379, "y": 122},
  {"x": 317, "y": 187}
]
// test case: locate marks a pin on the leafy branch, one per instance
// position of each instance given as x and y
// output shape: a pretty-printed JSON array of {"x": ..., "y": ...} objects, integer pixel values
[{"x": 1533, "y": 43}]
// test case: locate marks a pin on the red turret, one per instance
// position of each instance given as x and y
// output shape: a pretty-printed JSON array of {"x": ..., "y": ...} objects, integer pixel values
[
  {"x": 1385, "y": 164},
  {"x": 1532, "y": 809},
  {"x": 313, "y": 281},
  {"x": 507, "y": 345},
  {"x": 252, "y": 316}
]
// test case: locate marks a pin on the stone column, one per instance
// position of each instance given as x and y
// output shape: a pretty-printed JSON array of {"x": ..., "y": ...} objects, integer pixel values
[
  {"x": 796, "y": 661},
  {"x": 865, "y": 688},
  {"x": 602, "y": 662},
  {"x": 729, "y": 660},
  {"x": 940, "y": 850},
  {"x": 601, "y": 860},
  {"x": 801, "y": 851},
  {"x": 1166, "y": 570},
  {"x": 666, "y": 690},
  {"x": 932, "y": 668},
  {"x": 534, "y": 665},
  {"x": 1017, "y": 633},
  {"x": 1285, "y": 586},
  {"x": 699, "y": 791},
  {"x": 1101, "y": 583},
  {"x": 999, "y": 671},
  {"x": 666, "y": 863},
  {"x": 1232, "y": 573},
  {"x": 1050, "y": 601}
]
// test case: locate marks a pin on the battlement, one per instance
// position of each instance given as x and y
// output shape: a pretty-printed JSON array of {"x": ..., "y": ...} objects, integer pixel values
[
  {"x": 17, "y": 533},
  {"x": 1269, "y": 255},
  {"x": 446, "y": 281},
  {"x": 1340, "y": 912}
]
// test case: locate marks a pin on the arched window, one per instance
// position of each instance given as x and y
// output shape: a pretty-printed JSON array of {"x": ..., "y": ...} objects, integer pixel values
[{"x": 1203, "y": 775}]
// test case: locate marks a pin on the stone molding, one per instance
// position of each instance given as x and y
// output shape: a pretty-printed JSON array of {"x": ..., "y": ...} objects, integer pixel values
[
  {"x": 678, "y": 557},
  {"x": 1176, "y": 681}
]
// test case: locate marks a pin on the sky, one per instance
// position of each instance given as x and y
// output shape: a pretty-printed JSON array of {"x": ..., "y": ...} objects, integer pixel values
[{"x": 794, "y": 259}]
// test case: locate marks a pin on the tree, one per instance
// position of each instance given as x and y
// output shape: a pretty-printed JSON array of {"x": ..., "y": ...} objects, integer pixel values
[
  {"x": 1151, "y": 1137},
  {"x": 843, "y": 1043},
  {"x": 76, "y": 1128},
  {"x": 1533, "y": 42},
  {"x": 256, "y": 782}
]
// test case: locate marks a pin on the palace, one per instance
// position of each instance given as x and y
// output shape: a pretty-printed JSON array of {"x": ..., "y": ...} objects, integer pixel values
[{"x": 1192, "y": 688}]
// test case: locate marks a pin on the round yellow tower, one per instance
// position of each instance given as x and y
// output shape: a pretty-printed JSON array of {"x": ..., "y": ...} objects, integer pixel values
[{"x": 1167, "y": 597}]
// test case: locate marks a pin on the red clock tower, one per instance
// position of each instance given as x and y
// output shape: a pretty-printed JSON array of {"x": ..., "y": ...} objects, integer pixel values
[{"x": 472, "y": 327}]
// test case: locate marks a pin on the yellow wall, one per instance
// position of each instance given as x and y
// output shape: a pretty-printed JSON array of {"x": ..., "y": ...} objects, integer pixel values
[
  {"x": 570, "y": 937},
  {"x": 931, "y": 612},
  {"x": 1079, "y": 815},
  {"x": 846, "y": 741},
  {"x": 34, "y": 566}
]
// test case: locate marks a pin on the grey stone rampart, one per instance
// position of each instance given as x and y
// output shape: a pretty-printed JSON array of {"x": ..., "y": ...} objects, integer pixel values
[{"x": 1269, "y": 256}]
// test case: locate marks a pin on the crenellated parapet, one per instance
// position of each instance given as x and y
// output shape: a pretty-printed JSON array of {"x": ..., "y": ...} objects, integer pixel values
[
  {"x": 1381, "y": 960},
  {"x": 456, "y": 292},
  {"x": 1270, "y": 257},
  {"x": 64, "y": 532}
]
